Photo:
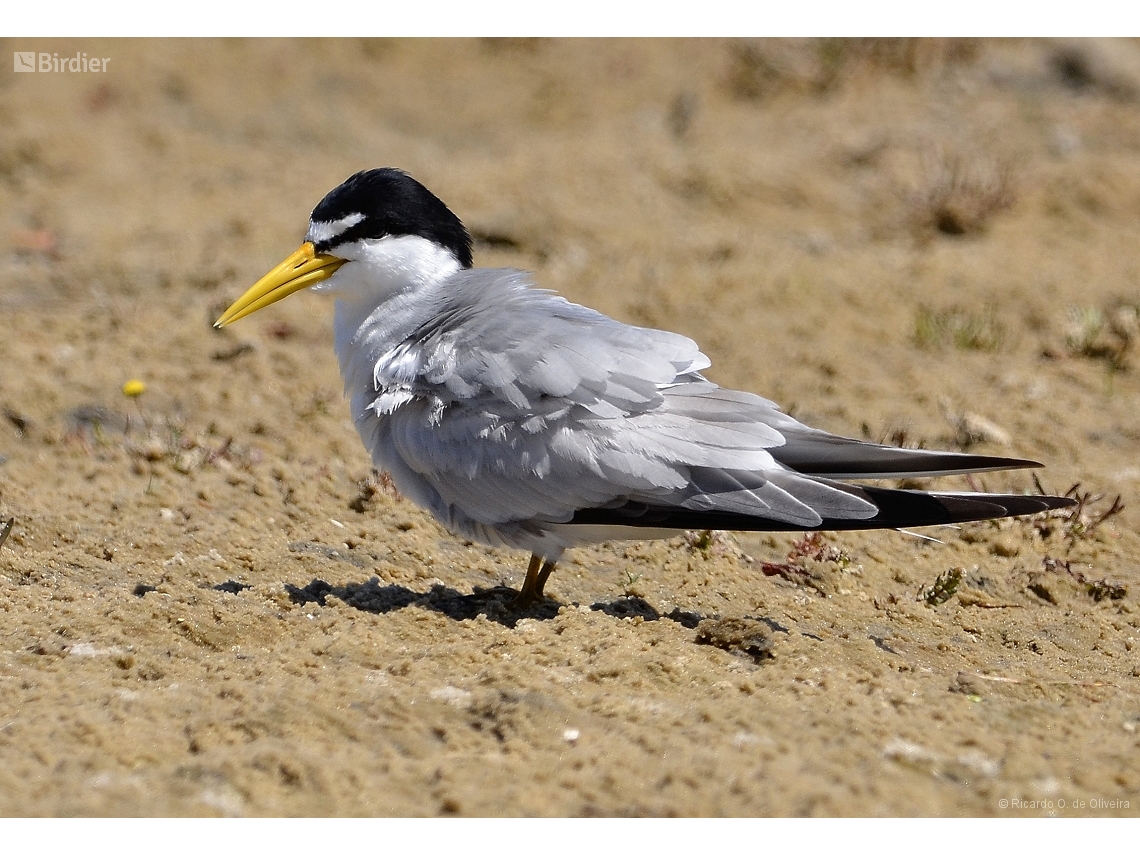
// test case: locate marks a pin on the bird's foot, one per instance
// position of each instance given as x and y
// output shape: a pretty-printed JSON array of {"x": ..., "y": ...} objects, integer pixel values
[
  {"x": 536, "y": 575},
  {"x": 524, "y": 601}
]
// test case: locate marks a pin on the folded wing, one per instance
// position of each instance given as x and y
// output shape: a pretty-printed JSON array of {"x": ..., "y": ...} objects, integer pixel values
[{"x": 512, "y": 404}]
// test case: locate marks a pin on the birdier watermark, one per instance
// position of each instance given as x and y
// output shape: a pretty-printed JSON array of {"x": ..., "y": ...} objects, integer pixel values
[{"x": 53, "y": 63}]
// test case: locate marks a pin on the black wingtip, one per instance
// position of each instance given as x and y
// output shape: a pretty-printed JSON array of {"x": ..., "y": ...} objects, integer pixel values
[
  {"x": 897, "y": 509},
  {"x": 835, "y": 457}
]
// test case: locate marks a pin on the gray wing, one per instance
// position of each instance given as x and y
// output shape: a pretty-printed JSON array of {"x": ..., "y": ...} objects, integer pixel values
[{"x": 514, "y": 404}]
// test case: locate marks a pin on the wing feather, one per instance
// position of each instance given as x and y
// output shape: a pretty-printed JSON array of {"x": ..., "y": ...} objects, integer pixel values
[{"x": 510, "y": 406}]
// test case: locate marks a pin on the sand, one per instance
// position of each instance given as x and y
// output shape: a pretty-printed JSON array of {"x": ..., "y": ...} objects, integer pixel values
[{"x": 212, "y": 606}]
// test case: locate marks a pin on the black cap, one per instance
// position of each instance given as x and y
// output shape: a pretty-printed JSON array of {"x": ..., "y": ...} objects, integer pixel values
[{"x": 392, "y": 203}]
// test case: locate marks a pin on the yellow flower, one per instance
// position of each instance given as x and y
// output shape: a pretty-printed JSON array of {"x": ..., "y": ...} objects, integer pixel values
[{"x": 134, "y": 388}]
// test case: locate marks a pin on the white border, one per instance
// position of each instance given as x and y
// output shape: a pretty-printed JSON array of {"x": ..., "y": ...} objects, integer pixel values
[
  {"x": 564, "y": 837},
  {"x": 68, "y": 18}
]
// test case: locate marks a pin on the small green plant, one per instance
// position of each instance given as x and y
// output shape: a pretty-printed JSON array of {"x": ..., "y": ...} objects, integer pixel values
[
  {"x": 802, "y": 564},
  {"x": 701, "y": 541},
  {"x": 1107, "y": 334},
  {"x": 1098, "y": 589},
  {"x": 1082, "y": 520},
  {"x": 944, "y": 587},
  {"x": 963, "y": 330},
  {"x": 814, "y": 547},
  {"x": 1085, "y": 324},
  {"x": 1104, "y": 590}
]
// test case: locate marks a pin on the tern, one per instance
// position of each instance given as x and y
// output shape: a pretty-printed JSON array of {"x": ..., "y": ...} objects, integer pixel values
[{"x": 520, "y": 419}]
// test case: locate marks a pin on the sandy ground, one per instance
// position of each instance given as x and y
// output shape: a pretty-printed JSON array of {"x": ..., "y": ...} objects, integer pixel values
[{"x": 210, "y": 605}]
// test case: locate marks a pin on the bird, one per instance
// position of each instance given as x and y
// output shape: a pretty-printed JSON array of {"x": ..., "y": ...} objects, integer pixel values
[{"x": 519, "y": 419}]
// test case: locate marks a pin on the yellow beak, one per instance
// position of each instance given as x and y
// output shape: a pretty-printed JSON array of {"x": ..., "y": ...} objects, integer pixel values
[{"x": 300, "y": 270}]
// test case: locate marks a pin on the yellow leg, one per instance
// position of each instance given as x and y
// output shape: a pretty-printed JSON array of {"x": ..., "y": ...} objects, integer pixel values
[
  {"x": 543, "y": 575},
  {"x": 536, "y": 575}
]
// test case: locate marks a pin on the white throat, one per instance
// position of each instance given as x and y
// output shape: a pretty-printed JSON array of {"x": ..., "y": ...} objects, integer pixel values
[{"x": 379, "y": 299}]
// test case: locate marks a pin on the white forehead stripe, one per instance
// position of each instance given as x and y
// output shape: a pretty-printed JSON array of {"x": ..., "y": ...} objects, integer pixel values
[{"x": 323, "y": 232}]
